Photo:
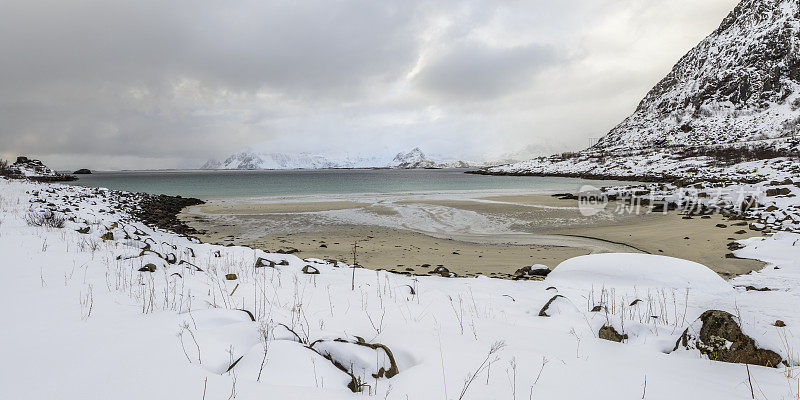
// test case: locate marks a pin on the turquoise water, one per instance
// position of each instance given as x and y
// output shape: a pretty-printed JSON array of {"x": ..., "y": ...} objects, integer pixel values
[{"x": 227, "y": 184}]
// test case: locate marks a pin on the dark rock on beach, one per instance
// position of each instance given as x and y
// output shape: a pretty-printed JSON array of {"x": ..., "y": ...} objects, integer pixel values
[{"x": 162, "y": 211}]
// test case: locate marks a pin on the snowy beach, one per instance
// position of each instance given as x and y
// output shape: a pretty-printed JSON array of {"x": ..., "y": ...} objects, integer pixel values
[{"x": 106, "y": 302}]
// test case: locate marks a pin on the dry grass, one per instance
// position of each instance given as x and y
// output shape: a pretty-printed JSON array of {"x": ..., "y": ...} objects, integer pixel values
[{"x": 46, "y": 219}]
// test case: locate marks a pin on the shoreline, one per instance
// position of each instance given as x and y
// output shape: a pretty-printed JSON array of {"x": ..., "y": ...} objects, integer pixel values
[{"x": 412, "y": 251}]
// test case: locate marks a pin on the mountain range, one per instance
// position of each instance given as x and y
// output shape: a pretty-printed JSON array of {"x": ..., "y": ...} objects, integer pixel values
[{"x": 252, "y": 160}]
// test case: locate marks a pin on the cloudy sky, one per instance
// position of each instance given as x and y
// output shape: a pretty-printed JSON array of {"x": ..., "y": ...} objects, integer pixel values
[{"x": 168, "y": 84}]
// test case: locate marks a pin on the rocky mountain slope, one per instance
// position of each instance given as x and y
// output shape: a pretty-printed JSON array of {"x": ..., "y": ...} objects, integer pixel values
[
  {"x": 741, "y": 83},
  {"x": 728, "y": 110}
]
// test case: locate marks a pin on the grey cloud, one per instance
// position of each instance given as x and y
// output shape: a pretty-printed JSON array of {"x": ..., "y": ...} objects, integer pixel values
[
  {"x": 475, "y": 70},
  {"x": 154, "y": 84}
]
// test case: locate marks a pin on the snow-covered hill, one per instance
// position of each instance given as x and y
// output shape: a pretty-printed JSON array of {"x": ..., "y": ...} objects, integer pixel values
[{"x": 250, "y": 159}]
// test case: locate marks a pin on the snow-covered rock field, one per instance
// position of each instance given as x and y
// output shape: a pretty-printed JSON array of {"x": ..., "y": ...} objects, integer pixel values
[{"x": 98, "y": 305}]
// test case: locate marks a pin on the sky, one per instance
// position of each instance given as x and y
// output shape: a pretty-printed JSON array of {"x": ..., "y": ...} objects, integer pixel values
[{"x": 170, "y": 84}]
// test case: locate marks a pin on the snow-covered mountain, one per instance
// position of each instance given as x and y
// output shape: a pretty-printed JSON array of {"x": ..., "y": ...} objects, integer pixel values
[
  {"x": 729, "y": 109},
  {"x": 741, "y": 83},
  {"x": 257, "y": 160},
  {"x": 249, "y": 159}
]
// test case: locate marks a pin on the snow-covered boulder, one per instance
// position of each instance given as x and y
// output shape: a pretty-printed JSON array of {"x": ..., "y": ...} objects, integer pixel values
[
  {"x": 558, "y": 305},
  {"x": 642, "y": 271},
  {"x": 717, "y": 335}
]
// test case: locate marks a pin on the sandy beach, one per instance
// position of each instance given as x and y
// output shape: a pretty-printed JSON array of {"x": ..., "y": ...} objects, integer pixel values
[{"x": 539, "y": 229}]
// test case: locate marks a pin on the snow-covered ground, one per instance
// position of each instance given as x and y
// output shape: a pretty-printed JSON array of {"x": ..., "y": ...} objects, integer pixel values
[
  {"x": 772, "y": 184},
  {"x": 106, "y": 307}
]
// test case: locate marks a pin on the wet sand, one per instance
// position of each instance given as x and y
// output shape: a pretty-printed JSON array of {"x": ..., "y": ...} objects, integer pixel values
[
  {"x": 550, "y": 231},
  {"x": 278, "y": 208},
  {"x": 404, "y": 251}
]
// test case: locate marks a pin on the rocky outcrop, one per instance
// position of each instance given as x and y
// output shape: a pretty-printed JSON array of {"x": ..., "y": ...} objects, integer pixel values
[
  {"x": 35, "y": 170},
  {"x": 162, "y": 211},
  {"x": 82, "y": 171},
  {"x": 717, "y": 335}
]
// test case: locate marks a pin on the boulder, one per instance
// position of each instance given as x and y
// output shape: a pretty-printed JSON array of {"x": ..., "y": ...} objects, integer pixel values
[
  {"x": 720, "y": 338},
  {"x": 311, "y": 270},
  {"x": 263, "y": 262},
  {"x": 82, "y": 171},
  {"x": 778, "y": 192},
  {"x": 557, "y": 305},
  {"x": 609, "y": 333},
  {"x": 148, "y": 268},
  {"x": 358, "y": 358}
]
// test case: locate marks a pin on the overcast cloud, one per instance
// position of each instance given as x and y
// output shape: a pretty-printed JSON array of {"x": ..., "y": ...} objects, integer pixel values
[{"x": 155, "y": 84}]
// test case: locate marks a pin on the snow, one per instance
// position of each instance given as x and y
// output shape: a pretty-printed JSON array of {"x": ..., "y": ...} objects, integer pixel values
[
  {"x": 627, "y": 271},
  {"x": 80, "y": 320},
  {"x": 254, "y": 159}
]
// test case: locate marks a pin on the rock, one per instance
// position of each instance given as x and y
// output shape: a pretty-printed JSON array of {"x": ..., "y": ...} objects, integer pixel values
[
  {"x": 753, "y": 288},
  {"x": 341, "y": 351},
  {"x": 162, "y": 211},
  {"x": 107, "y": 236},
  {"x": 609, "y": 333},
  {"x": 556, "y": 305},
  {"x": 778, "y": 192},
  {"x": 311, "y": 270},
  {"x": 83, "y": 230},
  {"x": 721, "y": 226},
  {"x": 263, "y": 262},
  {"x": 148, "y": 268},
  {"x": 733, "y": 246},
  {"x": 82, "y": 171},
  {"x": 287, "y": 251},
  {"x": 721, "y": 339},
  {"x": 539, "y": 272},
  {"x": 231, "y": 277},
  {"x": 171, "y": 258},
  {"x": 522, "y": 271},
  {"x": 779, "y": 324},
  {"x": 597, "y": 308},
  {"x": 444, "y": 272}
]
